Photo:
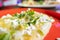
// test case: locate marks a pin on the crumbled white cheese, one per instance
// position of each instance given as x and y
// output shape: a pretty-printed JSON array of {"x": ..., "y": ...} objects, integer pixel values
[
  {"x": 39, "y": 36},
  {"x": 18, "y": 35},
  {"x": 32, "y": 27},
  {"x": 22, "y": 11},
  {"x": 51, "y": 19},
  {"x": 28, "y": 32},
  {"x": 22, "y": 21},
  {"x": 15, "y": 23},
  {"x": 44, "y": 18},
  {"x": 7, "y": 21},
  {"x": 8, "y": 15},
  {"x": 29, "y": 29},
  {"x": 3, "y": 29},
  {"x": 3, "y": 17},
  {"x": 46, "y": 27}
]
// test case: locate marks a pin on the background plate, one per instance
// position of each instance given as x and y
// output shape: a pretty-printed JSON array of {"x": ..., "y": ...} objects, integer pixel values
[{"x": 41, "y": 6}]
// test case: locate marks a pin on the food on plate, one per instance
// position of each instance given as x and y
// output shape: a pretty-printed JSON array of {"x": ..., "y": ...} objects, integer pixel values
[
  {"x": 27, "y": 25},
  {"x": 29, "y": 2},
  {"x": 54, "y": 2},
  {"x": 39, "y": 2},
  {"x": 33, "y": 2}
]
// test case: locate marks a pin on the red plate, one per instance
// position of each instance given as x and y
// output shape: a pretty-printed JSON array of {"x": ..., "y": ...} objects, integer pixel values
[{"x": 55, "y": 29}]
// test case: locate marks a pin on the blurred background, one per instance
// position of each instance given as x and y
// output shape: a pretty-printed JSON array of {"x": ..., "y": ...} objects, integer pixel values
[{"x": 44, "y": 4}]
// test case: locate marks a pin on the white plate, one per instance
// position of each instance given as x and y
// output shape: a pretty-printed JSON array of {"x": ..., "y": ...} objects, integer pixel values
[{"x": 43, "y": 6}]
